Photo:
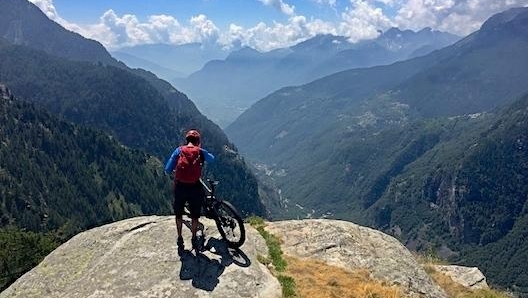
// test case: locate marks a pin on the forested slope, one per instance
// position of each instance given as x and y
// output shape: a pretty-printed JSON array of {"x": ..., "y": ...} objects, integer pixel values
[
  {"x": 468, "y": 194},
  {"x": 57, "y": 179}
]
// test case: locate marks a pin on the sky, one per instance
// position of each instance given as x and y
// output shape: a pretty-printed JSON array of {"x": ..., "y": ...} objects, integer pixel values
[{"x": 262, "y": 24}]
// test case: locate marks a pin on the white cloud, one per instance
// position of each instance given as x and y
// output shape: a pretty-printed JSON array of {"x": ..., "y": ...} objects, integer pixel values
[
  {"x": 388, "y": 3},
  {"x": 204, "y": 29},
  {"x": 268, "y": 37},
  {"x": 265, "y": 37},
  {"x": 361, "y": 19},
  {"x": 281, "y": 6},
  {"x": 331, "y": 3},
  {"x": 117, "y": 31},
  {"x": 456, "y": 16},
  {"x": 47, "y": 8}
]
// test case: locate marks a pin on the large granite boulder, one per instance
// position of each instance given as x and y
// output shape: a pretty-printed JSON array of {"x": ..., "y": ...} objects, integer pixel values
[
  {"x": 353, "y": 247},
  {"x": 469, "y": 277},
  {"x": 138, "y": 258}
]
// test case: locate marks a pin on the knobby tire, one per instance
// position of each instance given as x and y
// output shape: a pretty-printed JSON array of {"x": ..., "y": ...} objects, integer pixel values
[{"x": 230, "y": 224}]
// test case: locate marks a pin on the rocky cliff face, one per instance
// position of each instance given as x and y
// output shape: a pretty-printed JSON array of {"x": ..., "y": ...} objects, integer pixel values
[
  {"x": 138, "y": 258},
  {"x": 4, "y": 92}
]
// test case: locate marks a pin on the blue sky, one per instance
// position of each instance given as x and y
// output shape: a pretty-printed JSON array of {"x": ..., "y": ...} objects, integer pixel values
[
  {"x": 261, "y": 24},
  {"x": 223, "y": 12}
]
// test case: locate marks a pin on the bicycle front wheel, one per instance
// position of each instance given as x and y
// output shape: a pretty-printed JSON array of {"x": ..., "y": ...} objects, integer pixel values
[{"x": 230, "y": 224}]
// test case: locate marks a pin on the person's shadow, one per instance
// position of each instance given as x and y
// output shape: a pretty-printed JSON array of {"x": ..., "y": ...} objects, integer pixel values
[{"x": 205, "y": 272}]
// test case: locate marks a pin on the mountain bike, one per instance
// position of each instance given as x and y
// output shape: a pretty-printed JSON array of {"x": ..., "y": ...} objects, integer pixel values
[{"x": 227, "y": 219}]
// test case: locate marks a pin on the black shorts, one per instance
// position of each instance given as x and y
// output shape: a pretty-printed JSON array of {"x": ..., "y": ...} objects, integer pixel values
[{"x": 191, "y": 193}]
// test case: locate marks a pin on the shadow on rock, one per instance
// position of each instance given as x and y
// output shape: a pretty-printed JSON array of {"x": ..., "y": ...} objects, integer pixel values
[
  {"x": 204, "y": 271},
  {"x": 227, "y": 255},
  {"x": 187, "y": 223}
]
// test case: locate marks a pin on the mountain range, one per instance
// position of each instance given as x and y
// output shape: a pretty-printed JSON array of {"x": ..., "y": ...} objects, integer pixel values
[
  {"x": 26, "y": 25},
  {"x": 430, "y": 149},
  {"x": 84, "y": 138},
  {"x": 247, "y": 75},
  {"x": 147, "y": 113},
  {"x": 170, "y": 62},
  {"x": 136, "y": 62}
]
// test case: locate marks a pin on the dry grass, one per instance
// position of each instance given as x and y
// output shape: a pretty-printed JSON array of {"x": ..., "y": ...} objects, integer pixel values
[
  {"x": 429, "y": 257},
  {"x": 317, "y": 279},
  {"x": 303, "y": 278}
]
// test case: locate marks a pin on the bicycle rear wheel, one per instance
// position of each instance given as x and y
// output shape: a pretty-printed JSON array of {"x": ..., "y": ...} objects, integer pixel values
[{"x": 230, "y": 224}]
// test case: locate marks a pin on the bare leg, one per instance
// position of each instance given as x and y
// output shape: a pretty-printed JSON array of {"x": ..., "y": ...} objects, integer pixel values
[
  {"x": 196, "y": 242},
  {"x": 194, "y": 226},
  {"x": 179, "y": 222}
]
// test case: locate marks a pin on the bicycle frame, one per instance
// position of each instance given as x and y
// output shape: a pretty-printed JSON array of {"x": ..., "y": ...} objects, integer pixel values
[
  {"x": 227, "y": 223},
  {"x": 209, "y": 188}
]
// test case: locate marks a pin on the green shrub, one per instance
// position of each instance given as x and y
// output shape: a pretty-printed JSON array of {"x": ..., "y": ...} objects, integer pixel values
[
  {"x": 275, "y": 254},
  {"x": 288, "y": 285}
]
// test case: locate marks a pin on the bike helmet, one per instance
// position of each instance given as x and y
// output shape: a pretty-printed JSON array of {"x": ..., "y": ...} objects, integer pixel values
[{"x": 193, "y": 136}]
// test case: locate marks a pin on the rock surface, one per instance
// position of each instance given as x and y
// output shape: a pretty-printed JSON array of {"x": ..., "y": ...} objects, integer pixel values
[
  {"x": 469, "y": 277},
  {"x": 350, "y": 246},
  {"x": 138, "y": 258}
]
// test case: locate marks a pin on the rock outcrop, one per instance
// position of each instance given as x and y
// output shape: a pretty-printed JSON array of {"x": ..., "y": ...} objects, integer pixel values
[
  {"x": 138, "y": 258},
  {"x": 4, "y": 92},
  {"x": 350, "y": 246},
  {"x": 469, "y": 277}
]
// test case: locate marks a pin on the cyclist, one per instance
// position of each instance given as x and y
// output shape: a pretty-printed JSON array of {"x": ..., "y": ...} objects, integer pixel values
[{"x": 187, "y": 161}]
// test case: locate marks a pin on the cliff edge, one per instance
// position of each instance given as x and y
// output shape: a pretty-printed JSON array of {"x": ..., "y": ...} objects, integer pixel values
[{"x": 138, "y": 258}]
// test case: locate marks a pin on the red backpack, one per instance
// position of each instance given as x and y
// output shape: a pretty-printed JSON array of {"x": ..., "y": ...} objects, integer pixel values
[{"x": 189, "y": 164}]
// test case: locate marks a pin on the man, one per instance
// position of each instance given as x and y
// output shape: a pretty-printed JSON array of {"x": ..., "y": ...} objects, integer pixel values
[{"x": 187, "y": 161}]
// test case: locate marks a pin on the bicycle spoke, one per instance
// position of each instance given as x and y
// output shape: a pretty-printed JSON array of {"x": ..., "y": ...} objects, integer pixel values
[{"x": 230, "y": 225}]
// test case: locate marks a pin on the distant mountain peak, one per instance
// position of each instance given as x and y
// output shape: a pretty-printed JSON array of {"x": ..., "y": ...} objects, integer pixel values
[
  {"x": 392, "y": 31},
  {"x": 396, "y": 39},
  {"x": 395, "y": 32},
  {"x": 322, "y": 41},
  {"x": 243, "y": 53},
  {"x": 426, "y": 29}
]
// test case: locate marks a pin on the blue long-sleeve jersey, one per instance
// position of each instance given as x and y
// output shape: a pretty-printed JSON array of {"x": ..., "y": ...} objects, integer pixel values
[{"x": 171, "y": 163}]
